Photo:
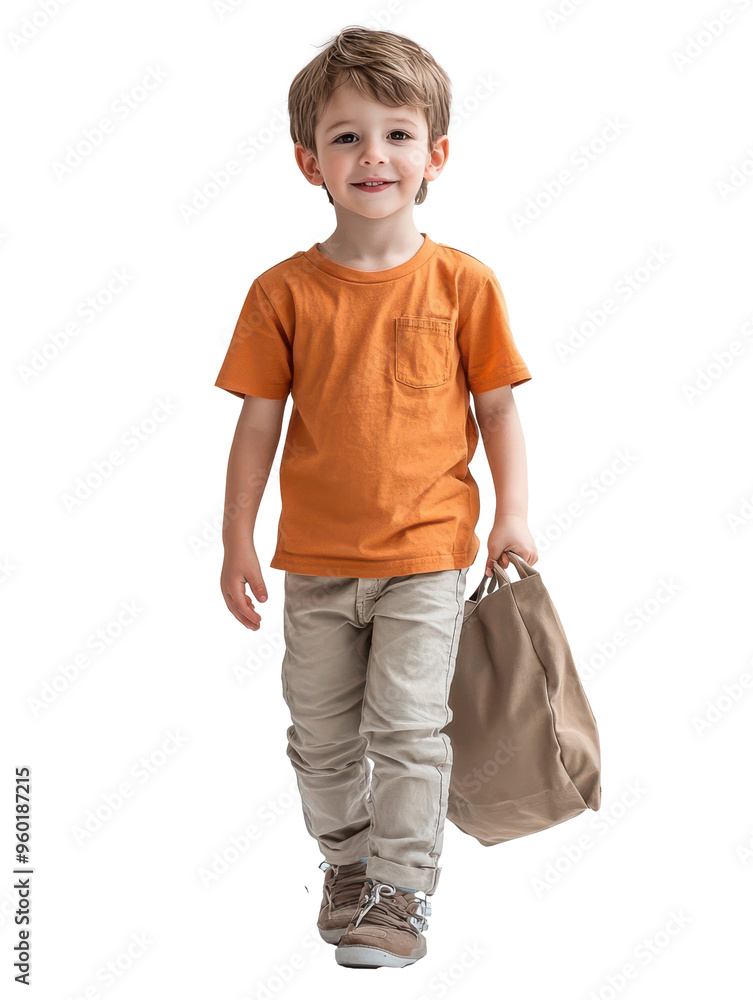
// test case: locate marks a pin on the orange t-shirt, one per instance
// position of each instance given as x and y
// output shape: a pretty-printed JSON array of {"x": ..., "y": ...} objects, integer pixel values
[{"x": 374, "y": 476}]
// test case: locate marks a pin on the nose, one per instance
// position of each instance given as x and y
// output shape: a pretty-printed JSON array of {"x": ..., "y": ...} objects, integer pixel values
[{"x": 372, "y": 153}]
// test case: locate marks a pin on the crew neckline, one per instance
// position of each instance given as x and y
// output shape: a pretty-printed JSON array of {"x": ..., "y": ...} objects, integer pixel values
[{"x": 318, "y": 259}]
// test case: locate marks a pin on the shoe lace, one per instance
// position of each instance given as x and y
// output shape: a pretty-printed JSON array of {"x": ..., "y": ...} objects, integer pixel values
[
  {"x": 344, "y": 887},
  {"x": 391, "y": 907}
]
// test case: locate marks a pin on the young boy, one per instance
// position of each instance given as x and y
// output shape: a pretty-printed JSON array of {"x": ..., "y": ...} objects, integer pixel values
[{"x": 380, "y": 334}]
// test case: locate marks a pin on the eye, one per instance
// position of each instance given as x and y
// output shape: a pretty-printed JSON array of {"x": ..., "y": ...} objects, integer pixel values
[{"x": 348, "y": 135}]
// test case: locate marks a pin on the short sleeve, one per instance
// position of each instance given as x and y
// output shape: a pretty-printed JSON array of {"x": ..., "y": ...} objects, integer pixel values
[
  {"x": 490, "y": 356},
  {"x": 259, "y": 359}
]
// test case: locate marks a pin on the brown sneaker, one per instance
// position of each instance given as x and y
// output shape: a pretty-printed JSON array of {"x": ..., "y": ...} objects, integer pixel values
[
  {"x": 386, "y": 930},
  {"x": 342, "y": 892}
]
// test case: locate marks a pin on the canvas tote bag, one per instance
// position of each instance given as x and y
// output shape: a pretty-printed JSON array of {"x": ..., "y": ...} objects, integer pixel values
[{"x": 526, "y": 752}]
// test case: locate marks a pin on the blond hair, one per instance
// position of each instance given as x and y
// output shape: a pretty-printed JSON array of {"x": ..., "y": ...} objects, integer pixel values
[{"x": 383, "y": 66}]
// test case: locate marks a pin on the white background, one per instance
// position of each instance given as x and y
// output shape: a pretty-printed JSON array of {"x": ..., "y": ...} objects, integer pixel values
[{"x": 146, "y": 535}]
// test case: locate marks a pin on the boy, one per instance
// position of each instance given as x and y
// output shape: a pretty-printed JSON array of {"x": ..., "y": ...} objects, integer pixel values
[{"x": 380, "y": 334}]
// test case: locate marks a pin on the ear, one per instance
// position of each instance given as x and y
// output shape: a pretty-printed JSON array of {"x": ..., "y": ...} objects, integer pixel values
[
  {"x": 439, "y": 154},
  {"x": 308, "y": 164}
]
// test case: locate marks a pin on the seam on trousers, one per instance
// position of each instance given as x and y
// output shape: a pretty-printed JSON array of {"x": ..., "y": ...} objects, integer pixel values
[
  {"x": 458, "y": 618},
  {"x": 444, "y": 736},
  {"x": 446, "y": 740},
  {"x": 285, "y": 653}
]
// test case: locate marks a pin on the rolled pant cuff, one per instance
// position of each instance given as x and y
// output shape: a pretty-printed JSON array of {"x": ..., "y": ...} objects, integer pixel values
[
  {"x": 344, "y": 861},
  {"x": 424, "y": 879}
]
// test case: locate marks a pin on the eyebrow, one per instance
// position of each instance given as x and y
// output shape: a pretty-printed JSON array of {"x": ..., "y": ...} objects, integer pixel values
[{"x": 401, "y": 121}]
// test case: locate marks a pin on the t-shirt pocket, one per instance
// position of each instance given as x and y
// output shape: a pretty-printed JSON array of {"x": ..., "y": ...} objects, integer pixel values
[{"x": 423, "y": 351}]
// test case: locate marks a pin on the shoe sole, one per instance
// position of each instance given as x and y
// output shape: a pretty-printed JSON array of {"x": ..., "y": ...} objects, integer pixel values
[
  {"x": 333, "y": 935},
  {"x": 363, "y": 957}
]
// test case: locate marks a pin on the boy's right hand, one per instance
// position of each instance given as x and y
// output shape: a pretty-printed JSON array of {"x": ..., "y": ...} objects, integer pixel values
[{"x": 241, "y": 566}]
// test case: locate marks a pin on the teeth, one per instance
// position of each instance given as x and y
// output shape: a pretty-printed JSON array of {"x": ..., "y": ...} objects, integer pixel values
[{"x": 373, "y": 183}]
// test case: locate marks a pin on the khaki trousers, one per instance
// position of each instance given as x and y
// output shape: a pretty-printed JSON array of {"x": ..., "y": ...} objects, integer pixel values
[{"x": 366, "y": 674}]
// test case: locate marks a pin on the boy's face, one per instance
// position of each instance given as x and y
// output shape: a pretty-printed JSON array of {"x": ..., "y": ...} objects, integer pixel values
[{"x": 358, "y": 138}]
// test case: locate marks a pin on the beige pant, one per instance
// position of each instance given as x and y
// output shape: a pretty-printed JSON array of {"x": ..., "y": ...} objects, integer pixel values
[{"x": 367, "y": 672}]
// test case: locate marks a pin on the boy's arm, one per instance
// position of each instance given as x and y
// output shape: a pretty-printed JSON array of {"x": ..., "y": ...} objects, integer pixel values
[
  {"x": 499, "y": 423},
  {"x": 252, "y": 453}
]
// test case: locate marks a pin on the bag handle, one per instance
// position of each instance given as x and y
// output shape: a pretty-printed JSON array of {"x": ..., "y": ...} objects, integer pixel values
[{"x": 524, "y": 570}]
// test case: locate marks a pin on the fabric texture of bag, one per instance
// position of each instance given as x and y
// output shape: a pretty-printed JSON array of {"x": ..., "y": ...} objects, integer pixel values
[{"x": 526, "y": 752}]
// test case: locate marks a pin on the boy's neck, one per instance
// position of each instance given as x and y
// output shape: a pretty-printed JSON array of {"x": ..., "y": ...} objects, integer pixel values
[{"x": 372, "y": 247}]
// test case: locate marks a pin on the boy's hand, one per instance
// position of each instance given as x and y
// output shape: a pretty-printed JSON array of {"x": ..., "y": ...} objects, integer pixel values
[
  {"x": 241, "y": 566},
  {"x": 510, "y": 532}
]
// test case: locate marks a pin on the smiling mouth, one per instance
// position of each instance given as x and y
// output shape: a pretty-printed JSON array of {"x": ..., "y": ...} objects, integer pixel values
[{"x": 375, "y": 186}]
